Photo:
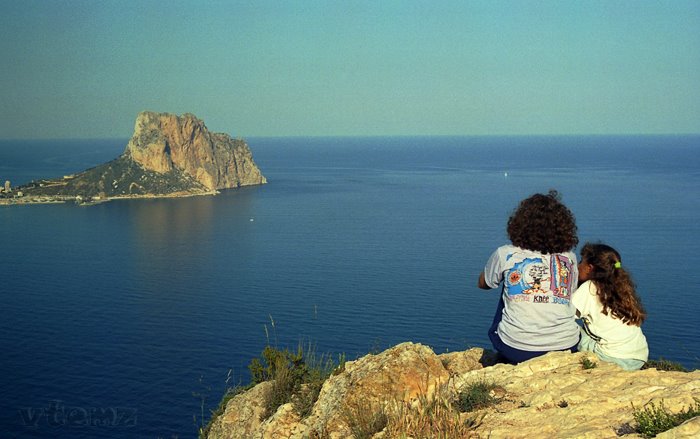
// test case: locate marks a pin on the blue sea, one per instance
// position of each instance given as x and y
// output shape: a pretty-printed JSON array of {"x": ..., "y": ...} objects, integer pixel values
[{"x": 130, "y": 318}]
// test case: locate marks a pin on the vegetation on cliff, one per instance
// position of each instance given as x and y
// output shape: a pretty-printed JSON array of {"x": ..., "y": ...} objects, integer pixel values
[
  {"x": 652, "y": 419},
  {"x": 119, "y": 178}
]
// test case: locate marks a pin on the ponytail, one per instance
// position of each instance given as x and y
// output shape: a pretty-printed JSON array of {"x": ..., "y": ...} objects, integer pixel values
[{"x": 615, "y": 286}]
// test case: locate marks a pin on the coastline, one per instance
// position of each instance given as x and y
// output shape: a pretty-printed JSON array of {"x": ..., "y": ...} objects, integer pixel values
[{"x": 25, "y": 200}]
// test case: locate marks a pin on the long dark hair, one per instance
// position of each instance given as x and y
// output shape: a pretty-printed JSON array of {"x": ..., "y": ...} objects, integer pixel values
[
  {"x": 616, "y": 289},
  {"x": 543, "y": 223}
]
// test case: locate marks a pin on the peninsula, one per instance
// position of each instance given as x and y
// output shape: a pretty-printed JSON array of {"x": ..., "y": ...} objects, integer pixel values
[{"x": 167, "y": 156}]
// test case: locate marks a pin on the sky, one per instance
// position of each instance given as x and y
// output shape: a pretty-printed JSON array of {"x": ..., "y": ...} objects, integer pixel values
[{"x": 85, "y": 69}]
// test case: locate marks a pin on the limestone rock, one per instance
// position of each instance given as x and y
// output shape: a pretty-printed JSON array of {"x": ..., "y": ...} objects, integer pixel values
[
  {"x": 553, "y": 396},
  {"x": 462, "y": 362},
  {"x": 689, "y": 429},
  {"x": 241, "y": 418},
  {"x": 401, "y": 373},
  {"x": 550, "y": 396},
  {"x": 284, "y": 423},
  {"x": 163, "y": 142}
]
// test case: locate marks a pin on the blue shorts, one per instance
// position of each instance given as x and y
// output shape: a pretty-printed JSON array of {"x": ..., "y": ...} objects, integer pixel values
[{"x": 510, "y": 354}]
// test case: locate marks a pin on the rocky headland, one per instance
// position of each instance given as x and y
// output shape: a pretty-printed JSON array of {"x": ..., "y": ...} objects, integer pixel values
[
  {"x": 167, "y": 156},
  {"x": 559, "y": 395}
]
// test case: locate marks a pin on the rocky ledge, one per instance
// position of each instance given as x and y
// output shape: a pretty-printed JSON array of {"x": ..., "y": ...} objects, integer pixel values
[
  {"x": 167, "y": 156},
  {"x": 554, "y": 396}
]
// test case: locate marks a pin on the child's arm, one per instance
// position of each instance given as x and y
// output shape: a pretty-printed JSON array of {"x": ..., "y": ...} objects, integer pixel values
[{"x": 482, "y": 282}]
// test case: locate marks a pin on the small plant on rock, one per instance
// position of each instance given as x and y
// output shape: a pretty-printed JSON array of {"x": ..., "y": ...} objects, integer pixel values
[
  {"x": 476, "y": 396},
  {"x": 297, "y": 377},
  {"x": 652, "y": 419},
  {"x": 587, "y": 363},
  {"x": 319, "y": 369},
  {"x": 663, "y": 364}
]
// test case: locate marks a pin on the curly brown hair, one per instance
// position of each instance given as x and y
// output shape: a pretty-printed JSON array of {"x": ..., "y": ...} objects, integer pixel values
[
  {"x": 616, "y": 290},
  {"x": 542, "y": 223}
]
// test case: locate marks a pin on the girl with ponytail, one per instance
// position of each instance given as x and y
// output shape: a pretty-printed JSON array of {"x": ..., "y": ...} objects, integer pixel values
[{"x": 611, "y": 310}]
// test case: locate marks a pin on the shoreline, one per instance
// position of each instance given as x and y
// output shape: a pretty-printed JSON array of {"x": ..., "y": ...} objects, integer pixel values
[{"x": 62, "y": 199}]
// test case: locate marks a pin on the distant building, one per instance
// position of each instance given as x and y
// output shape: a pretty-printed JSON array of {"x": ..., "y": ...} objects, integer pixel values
[{"x": 8, "y": 188}]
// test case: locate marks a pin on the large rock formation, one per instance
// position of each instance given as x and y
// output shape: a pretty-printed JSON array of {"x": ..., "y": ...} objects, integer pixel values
[
  {"x": 167, "y": 155},
  {"x": 553, "y": 396},
  {"x": 165, "y": 142}
]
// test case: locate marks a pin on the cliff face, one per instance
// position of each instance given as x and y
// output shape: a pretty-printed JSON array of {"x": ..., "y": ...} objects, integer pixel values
[
  {"x": 165, "y": 142},
  {"x": 550, "y": 396}
]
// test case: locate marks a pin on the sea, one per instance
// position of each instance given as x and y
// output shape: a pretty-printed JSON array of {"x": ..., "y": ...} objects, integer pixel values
[{"x": 131, "y": 318}]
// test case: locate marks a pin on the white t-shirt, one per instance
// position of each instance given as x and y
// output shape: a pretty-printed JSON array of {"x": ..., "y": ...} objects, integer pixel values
[
  {"x": 614, "y": 337},
  {"x": 538, "y": 314}
]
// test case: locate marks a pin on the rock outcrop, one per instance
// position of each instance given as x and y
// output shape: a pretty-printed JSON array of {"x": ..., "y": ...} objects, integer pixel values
[
  {"x": 167, "y": 156},
  {"x": 552, "y": 396},
  {"x": 165, "y": 143}
]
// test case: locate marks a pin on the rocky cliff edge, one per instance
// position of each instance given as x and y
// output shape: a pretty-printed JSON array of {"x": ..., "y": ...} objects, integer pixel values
[{"x": 553, "y": 396}]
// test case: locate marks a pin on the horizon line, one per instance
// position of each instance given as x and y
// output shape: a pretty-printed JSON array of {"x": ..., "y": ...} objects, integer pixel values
[{"x": 349, "y": 136}]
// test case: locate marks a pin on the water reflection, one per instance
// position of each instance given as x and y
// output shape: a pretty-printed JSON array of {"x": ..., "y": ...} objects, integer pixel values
[{"x": 184, "y": 236}]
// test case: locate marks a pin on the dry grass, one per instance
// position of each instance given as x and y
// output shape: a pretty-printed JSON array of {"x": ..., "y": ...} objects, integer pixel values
[
  {"x": 364, "y": 420},
  {"x": 429, "y": 417}
]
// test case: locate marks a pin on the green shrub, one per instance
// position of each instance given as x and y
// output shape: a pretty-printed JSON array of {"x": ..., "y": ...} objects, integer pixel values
[
  {"x": 285, "y": 383},
  {"x": 587, "y": 363},
  {"x": 297, "y": 377},
  {"x": 318, "y": 371},
  {"x": 273, "y": 359},
  {"x": 653, "y": 420},
  {"x": 476, "y": 396},
  {"x": 663, "y": 364},
  {"x": 305, "y": 398}
]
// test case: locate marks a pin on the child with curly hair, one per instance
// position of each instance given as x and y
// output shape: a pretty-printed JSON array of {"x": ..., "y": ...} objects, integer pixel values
[
  {"x": 538, "y": 274},
  {"x": 611, "y": 311}
]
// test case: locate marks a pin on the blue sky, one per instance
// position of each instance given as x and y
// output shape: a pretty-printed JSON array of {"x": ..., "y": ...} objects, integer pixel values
[{"x": 83, "y": 69}]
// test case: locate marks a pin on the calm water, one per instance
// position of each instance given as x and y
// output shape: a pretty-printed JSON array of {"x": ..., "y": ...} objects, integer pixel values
[{"x": 128, "y": 316}]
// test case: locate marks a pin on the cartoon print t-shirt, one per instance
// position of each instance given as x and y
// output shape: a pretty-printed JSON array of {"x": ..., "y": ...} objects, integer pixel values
[{"x": 538, "y": 314}]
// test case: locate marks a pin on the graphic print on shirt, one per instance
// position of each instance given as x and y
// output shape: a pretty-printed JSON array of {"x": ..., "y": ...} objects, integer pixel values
[
  {"x": 538, "y": 281},
  {"x": 561, "y": 284},
  {"x": 526, "y": 277}
]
